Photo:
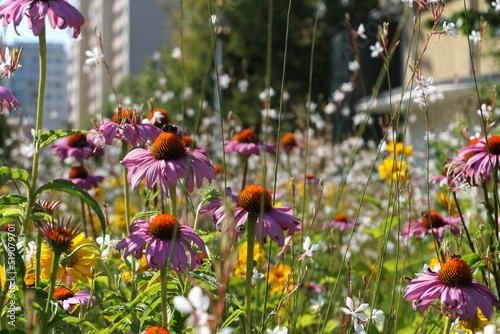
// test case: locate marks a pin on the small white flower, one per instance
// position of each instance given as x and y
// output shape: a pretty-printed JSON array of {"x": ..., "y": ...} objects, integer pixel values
[
  {"x": 308, "y": 248},
  {"x": 485, "y": 111},
  {"x": 214, "y": 19},
  {"x": 127, "y": 101},
  {"x": 95, "y": 57},
  {"x": 377, "y": 315},
  {"x": 359, "y": 329},
  {"x": 347, "y": 87},
  {"x": 278, "y": 331},
  {"x": 187, "y": 93},
  {"x": 286, "y": 96},
  {"x": 30, "y": 252},
  {"x": 162, "y": 81},
  {"x": 317, "y": 304},
  {"x": 376, "y": 50},
  {"x": 224, "y": 81},
  {"x": 496, "y": 5},
  {"x": 107, "y": 243},
  {"x": 338, "y": 96},
  {"x": 361, "y": 31},
  {"x": 243, "y": 86},
  {"x": 176, "y": 53},
  {"x": 311, "y": 105},
  {"x": 355, "y": 312},
  {"x": 265, "y": 93},
  {"x": 330, "y": 108},
  {"x": 197, "y": 304},
  {"x": 346, "y": 112},
  {"x": 190, "y": 112},
  {"x": 490, "y": 329},
  {"x": 475, "y": 36},
  {"x": 354, "y": 65},
  {"x": 156, "y": 56},
  {"x": 448, "y": 28},
  {"x": 256, "y": 275}
]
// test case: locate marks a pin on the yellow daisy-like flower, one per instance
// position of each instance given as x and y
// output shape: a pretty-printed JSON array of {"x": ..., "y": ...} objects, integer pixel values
[
  {"x": 278, "y": 276},
  {"x": 259, "y": 257},
  {"x": 447, "y": 203},
  {"x": 78, "y": 267},
  {"x": 400, "y": 148},
  {"x": 473, "y": 326},
  {"x": 390, "y": 170}
]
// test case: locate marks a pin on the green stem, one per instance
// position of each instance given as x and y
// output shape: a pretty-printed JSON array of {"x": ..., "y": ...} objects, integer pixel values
[
  {"x": 53, "y": 275},
  {"x": 163, "y": 277},
  {"x": 173, "y": 200},
  {"x": 447, "y": 326},
  {"x": 38, "y": 128},
  {"x": 251, "y": 222}
]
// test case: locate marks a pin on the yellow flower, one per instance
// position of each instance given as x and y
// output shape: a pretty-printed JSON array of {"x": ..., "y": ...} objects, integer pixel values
[
  {"x": 118, "y": 218},
  {"x": 259, "y": 257},
  {"x": 473, "y": 326},
  {"x": 278, "y": 276},
  {"x": 143, "y": 266},
  {"x": 400, "y": 148},
  {"x": 444, "y": 200},
  {"x": 390, "y": 170},
  {"x": 78, "y": 267}
]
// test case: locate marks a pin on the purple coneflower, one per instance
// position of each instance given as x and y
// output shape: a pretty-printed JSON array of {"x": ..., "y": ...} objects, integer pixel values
[
  {"x": 60, "y": 13},
  {"x": 76, "y": 146},
  {"x": 341, "y": 222},
  {"x": 478, "y": 163},
  {"x": 124, "y": 125},
  {"x": 8, "y": 100},
  {"x": 454, "y": 286},
  {"x": 156, "y": 235},
  {"x": 80, "y": 176},
  {"x": 168, "y": 160},
  {"x": 67, "y": 298},
  {"x": 420, "y": 227},
  {"x": 247, "y": 143},
  {"x": 288, "y": 142},
  {"x": 273, "y": 223},
  {"x": 58, "y": 235}
]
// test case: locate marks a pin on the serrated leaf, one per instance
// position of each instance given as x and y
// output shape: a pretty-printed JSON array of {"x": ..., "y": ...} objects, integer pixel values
[
  {"x": 73, "y": 189},
  {"x": 8, "y": 174},
  {"x": 48, "y": 137}
]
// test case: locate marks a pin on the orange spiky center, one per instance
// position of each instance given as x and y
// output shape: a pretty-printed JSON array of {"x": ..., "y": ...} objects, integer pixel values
[
  {"x": 61, "y": 293},
  {"x": 250, "y": 198},
  {"x": 188, "y": 140},
  {"x": 494, "y": 145},
  {"x": 218, "y": 168},
  {"x": 469, "y": 155},
  {"x": 157, "y": 330},
  {"x": 168, "y": 146},
  {"x": 455, "y": 272},
  {"x": 78, "y": 172},
  {"x": 163, "y": 226},
  {"x": 435, "y": 218},
  {"x": 162, "y": 121},
  {"x": 341, "y": 217},
  {"x": 288, "y": 140},
  {"x": 124, "y": 116},
  {"x": 78, "y": 140},
  {"x": 247, "y": 136}
]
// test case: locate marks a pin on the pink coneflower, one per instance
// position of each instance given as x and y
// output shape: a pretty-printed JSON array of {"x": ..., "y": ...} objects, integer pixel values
[
  {"x": 288, "y": 142},
  {"x": 247, "y": 143},
  {"x": 59, "y": 235},
  {"x": 8, "y": 100},
  {"x": 156, "y": 235},
  {"x": 273, "y": 223},
  {"x": 48, "y": 206},
  {"x": 455, "y": 288},
  {"x": 124, "y": 125},
  {"x": 341, "y": 222},
  {"x": 76, "y": 146},
  {"x": 68, "y": 299},
  {"x": 477, "y": 162},
  {"x": 60, "y": 13},
  {"x": 168, "y": 160},
  {"x": 189, "y": 140},
  {"x": 80, "y": 176},
  {"x": 421, "y": 227}
]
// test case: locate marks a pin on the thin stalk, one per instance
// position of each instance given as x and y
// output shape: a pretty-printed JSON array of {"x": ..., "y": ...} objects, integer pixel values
[
  {"x": 245, "y": 170},
  {"x": 38, "y": 254},
  {"x": 251, "y": 222},
  {"x": 447, "y": 326},
  {"x": 30, "y": 202},
  {"x": 55, "y": 263},
  {"x": 173, "y": 200},
  {"x": 164, "y": 316},
  {"x": 471, "y": 244}
]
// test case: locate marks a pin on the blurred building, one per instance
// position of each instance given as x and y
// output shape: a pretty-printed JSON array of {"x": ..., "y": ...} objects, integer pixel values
[
  {"x": 131, "y": 31},
  {"x": 24, "y": 85}
]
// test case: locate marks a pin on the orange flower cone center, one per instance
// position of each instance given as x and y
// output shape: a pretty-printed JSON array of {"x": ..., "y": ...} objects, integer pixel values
[
  {"x": 471, "y": 154},
  {"x": 455, "y": 272},
  {"x": 61, "y": 293},
  {"x": 494, "y": 145},
  {"x": 341, "y": 217},
  {"x": 288, "y": 140},
  {"x": 157, "y": 330},
  {"x": 168, "y": 146},
  {"x": 163, "y": 120},
  {"x": 163, "y": 226},
  {"x": 218, "y": 168},
  {"x": 310, "y": 176},
  {"x": 435, "y": 218},
  {"x": 188, "y": 140},
  {"x": 124, "y": 116},
  {"x": 250, "y": 198},
  {"x": 247, "y": 136},
  {"x": 78, "y": 140},
  {"x": 78, "y": 172}
]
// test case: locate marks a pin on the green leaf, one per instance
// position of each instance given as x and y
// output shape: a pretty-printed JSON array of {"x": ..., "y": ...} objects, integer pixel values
[
  {"x": 71, "y": 320},
  {"x": 474, "y": 260},
  {"x": 371, "y": 200},
  {"x": 8, "y": 174},
  {"x": 48, "y": 137},
  {"x": 73, "y": 189},
  {"x": 12, "y": 199},
  {"x": 232, "y": 318}
]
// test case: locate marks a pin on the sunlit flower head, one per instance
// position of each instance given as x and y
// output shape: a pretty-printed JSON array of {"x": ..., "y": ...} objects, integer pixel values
[
  {"x": 76, "y": 146},
  {"x": 472, "y": 326},
  {"x": 48, "y": 206},
  {"x": 7, "y": 100},
  {"x": 259, "y": 257},
  {"x": 431, "y": 221},
  {"x": 288, "y": 142},
  {"x": 273, "y": 222},
  {"x": 391, "y": 170},
  {"x": 281, "y": 277},
  {"x": 341, "y": 222},
  {"x": 478, "y": 163},
  {"x": 70, "y": 300},
  {"x": 168, "y": 160},
  {"x": 59, "y": 12},
  {"x": 156, "y": 235},
  {"x": 81, "y": 177},
  {"x": 399, "y": 148},
  {"x": 58, "y": 234},
  {"x": 247, "y": 143},
  {"x": 454, "y": 286}
]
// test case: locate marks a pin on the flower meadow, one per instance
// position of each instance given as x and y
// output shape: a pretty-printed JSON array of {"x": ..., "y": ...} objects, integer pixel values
[{"x": 150, "y": 221}]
